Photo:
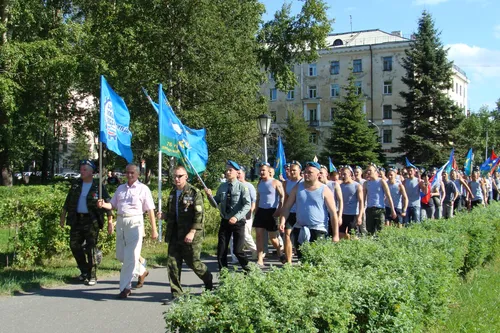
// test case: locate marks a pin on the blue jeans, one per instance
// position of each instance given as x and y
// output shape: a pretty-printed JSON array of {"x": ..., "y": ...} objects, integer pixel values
[{"x": 412, "y": 214}]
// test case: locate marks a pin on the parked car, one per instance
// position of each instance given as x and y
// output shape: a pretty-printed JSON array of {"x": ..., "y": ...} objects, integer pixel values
[{"x": 71, "y": 175}]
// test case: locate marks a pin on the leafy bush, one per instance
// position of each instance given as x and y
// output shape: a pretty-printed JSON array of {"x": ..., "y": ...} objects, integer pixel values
[
  {"x": 35, "y": 210},
  {"x": 400, "y": 281}
]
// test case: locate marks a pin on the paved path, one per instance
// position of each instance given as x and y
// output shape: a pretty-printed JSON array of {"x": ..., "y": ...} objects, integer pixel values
[{"x": 79, "y": 308}]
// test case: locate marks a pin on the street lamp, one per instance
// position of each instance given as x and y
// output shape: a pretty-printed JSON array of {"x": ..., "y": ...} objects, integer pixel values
[
  {"x": 378, "y": 128},
  {"x": 264, "y": 124}
]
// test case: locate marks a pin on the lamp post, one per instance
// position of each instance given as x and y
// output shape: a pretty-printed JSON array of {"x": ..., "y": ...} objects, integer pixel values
[
  {"x": 264, "y": 124},
  {"x": 378, "y": 128}
]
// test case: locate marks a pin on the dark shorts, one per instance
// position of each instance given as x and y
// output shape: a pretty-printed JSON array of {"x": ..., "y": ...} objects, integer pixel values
[
  {"x": 264, "y": 219},
  {"x": 290, "y": 221},
  {"x": 388, "y": 217},
  {"x": 349, "y": 222}
]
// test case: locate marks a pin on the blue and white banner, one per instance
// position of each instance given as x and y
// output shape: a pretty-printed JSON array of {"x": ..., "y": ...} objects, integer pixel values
[{"x": 115, "y": 120}]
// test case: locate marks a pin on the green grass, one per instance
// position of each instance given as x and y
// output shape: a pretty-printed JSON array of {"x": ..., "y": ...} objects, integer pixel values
[
  {"x": 478, "y": 301},
  {"x": 62, "y": 269}
]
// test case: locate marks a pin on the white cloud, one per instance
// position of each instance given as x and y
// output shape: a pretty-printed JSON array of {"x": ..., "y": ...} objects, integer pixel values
[
  {"x": 477, "y": 61},
  {"x": 496, "y": 31},
  {"x": 427, "y": 2}
]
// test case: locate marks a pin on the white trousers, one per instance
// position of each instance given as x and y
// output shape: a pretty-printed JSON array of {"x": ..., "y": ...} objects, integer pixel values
[{"x": 129, "y": 234}]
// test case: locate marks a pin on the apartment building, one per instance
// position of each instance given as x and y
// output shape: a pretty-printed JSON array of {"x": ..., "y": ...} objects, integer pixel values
[{"x": 375, "y": 57}]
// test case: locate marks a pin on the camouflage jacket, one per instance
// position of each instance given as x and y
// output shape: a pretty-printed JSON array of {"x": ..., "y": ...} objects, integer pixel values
[
  {"x": 71, "y": 202},
  {"x": 190, "y": 212}
]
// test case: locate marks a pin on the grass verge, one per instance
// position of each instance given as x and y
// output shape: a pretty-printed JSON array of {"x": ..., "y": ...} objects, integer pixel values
[
  {"x": 478, "y": 301},
  {"x": 62, "y": 269}
]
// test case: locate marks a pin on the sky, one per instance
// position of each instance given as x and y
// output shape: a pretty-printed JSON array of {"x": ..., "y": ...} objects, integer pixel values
[{"x": 469, "y": 28}]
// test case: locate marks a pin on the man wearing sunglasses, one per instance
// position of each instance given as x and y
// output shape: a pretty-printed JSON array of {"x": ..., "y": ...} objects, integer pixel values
[
  {"x": 270, "y": 198},
  {"x": 233, "y": 198},
  {"x": 314, "y": 201},
  {"x": 184, "y": 233}
]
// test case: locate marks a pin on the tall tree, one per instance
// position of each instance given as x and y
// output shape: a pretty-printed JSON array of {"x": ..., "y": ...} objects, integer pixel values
[
  {"x": 37, "y": 72},
  {"x": 288, "y": 40},
  {"x": 429, "y": 116},
  {"x": 351, "y": 140},
  {"x": 296, "y": 139}
]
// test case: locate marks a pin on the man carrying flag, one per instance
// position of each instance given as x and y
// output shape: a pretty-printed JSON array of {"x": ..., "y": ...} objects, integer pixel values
[{"x": 280, "y": 172}]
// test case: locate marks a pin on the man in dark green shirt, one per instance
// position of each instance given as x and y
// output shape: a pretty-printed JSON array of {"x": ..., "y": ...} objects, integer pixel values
[
  {"x": 184, "y": 234},
  {"x": 233, "y": 199}
]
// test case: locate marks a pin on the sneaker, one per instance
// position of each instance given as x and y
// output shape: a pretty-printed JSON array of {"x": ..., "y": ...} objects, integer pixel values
[
  {"x": 91, "y": 282},
  {"x": 140, "y": 281},
  {"x": 234, "y": 260},
  {"x": 82, "y": 277}
]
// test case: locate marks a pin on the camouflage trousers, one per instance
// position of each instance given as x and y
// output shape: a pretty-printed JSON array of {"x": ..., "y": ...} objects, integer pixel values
[
  {"x": 83, "y": 238},
  {"x": 178, "y": 251}
]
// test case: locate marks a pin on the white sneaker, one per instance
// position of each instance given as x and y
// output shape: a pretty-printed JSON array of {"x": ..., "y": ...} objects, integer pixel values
[{"x": 91, "y": 282}]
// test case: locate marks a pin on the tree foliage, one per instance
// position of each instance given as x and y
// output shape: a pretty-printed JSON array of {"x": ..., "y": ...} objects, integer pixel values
[
  {"x": 296, "y": 139},
  {"x": 207, "y": 53},
  {"x": 429, "y": 117},
  {"x": 288, "y": 40},
  {"x": 351, "y": 140}
]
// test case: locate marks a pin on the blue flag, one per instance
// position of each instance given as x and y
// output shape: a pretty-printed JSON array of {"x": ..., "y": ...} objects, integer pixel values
[
  {"x": 468, "y": 163},
  {"x": 408, "y": 163},
  {"x": 331, "y": 167},
  {"x": 450, "y": 161},
  {"x": 115, "y": 120},
  {"x": 488, "y": 165},
  {"x": 436, "y": 179},
  {"x": 175, "y": 136},
  {"x": 280, "y": 161}
]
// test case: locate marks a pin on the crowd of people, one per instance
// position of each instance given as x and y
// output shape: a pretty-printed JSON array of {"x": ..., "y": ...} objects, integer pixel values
[{"x": 308, "y": 204}]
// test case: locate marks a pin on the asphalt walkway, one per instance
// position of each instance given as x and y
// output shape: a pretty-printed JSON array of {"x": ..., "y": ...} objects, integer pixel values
[{"x": 79, "y": 308}]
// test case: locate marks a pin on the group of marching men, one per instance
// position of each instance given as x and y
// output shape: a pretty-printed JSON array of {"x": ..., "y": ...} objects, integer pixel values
[{"x": 313, "y": 203}]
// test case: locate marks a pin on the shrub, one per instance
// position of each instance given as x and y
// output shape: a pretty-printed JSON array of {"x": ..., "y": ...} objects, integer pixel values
[{"x": 400, "y": 281}]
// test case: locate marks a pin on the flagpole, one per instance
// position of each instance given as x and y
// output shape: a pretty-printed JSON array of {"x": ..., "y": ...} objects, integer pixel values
[
  {"x": 210, "y": 198},
  {"x": 100, "y": 169},
  {"x": 160, "y": 100}
]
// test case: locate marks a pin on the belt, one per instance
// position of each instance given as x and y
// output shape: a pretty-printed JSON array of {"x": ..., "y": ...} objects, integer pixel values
[
  {"x": 128, "y": 215},
  {"x": 82, "y": 215}
]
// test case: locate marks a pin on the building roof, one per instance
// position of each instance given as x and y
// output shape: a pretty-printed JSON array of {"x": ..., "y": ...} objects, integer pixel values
[{"x": 364, "y": 37}]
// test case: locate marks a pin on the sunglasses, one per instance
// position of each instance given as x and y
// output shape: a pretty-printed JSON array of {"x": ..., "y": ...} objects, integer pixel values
[{"x": 179, "y": 176}]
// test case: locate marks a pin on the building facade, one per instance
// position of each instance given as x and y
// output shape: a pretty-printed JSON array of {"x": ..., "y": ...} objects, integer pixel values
[{"x": 375, "y": 57}]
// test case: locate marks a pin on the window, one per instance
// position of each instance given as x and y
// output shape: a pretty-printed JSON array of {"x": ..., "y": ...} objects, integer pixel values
[
  {"x": 334, "y": 67},
  {"x": 312, "y": 69},
  {"x": 456, "y": 87},
  {"x": 273, "y": 116},
  {"x": 387, "y": 87},
  {"x": 272, "y": 94},
  {"x": 460, "y": 91},
  {"x": 358, "y": 87},
  {"x": 387, "y": 136},
  {"x": 338, "y": 42},
  {"x": 313, "y": 115},
  {"x": 313, "y": 138},
  {"x": 334, "y": 90},
  {"x": 387, "y": 63},
  {"x": 452, "y": 86},
  {"x": 312, "y": 91},
  {"x": 332, "y": 113},
  {"x": 290, "y": 94},
  {"x": 271, "y": 76},
  {"x": 387, "y": 111},
  {"x": 357, "y": 66}
]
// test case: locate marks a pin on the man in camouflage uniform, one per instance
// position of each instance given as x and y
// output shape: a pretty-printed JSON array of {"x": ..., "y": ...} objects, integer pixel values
[
  {"x": 184, "y": 235},
  {"x": 85, "y": 219}
]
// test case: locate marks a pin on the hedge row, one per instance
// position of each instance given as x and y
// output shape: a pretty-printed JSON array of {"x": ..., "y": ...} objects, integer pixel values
[
  {"x": 401, "y": 281},
  {"x": 35, "y": 211}
]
